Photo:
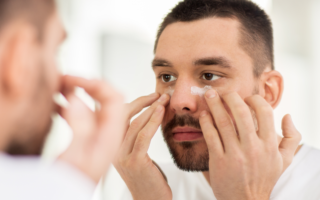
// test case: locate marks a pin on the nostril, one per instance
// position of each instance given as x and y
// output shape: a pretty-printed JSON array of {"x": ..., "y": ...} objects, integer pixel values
[{"x": 185, "y": 108}]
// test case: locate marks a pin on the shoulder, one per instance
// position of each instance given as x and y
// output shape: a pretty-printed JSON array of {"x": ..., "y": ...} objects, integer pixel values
[
  {"x": 302, "y": 178},
  {"x": 35, "y": 179}
]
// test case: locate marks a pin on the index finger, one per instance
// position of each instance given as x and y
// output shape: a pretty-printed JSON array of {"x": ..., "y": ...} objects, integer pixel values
[
  {"x": 137, "y": 105},
  {"x": 109, "y": 98},
  {"x": 223, "y": 121},
  {"x": 97, "y": 89}
]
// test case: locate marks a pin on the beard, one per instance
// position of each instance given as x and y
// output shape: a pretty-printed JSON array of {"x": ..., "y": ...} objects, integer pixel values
[
  {"x": 186, "y": 155},
  {"x": 33, "y": 145},
  {"x": 35, "y": 121}
]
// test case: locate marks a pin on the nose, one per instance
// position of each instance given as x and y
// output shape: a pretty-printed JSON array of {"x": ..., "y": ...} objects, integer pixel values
[{"x": 182, "y": 101}]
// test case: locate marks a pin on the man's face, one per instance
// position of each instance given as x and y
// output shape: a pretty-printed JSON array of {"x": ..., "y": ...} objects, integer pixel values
[
  {"x": 194, "y": 55},
  {"x": 35, "y": 114}
]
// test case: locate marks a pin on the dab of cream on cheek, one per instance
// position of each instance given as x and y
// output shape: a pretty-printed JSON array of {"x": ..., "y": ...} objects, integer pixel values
[
  {"x": 200, "y": 91},
  {"x": 194, "y": 90},
  {"x": 169, "y": 91}
]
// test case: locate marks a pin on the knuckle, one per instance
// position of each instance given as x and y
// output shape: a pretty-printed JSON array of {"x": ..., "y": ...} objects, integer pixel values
[
  {"x": 135, "y": 124},
  {"x": 224, "y": 122},
  {"x": 254, "y": 153},
  {"x": 154, "y": 121},
  {"x": 142, "y": 135},
  {"x": 242, "y": 111},
  {"x": 239, "y": 159}
]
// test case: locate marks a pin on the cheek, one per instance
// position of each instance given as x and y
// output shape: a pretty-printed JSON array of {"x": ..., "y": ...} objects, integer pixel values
[
  {"x": 53, "y": 74},
  {"x": 160, "y": 88},
  {"x": 168, "y": 115}
]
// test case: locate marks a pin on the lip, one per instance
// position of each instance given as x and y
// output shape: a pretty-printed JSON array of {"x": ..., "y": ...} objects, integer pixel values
[{"x": 183, "y": 134}]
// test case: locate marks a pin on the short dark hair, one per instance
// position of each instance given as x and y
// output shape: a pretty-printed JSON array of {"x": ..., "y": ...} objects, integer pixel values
[
  {"x": 36, "y": 12},
  {"x": 256, "y": 31}
]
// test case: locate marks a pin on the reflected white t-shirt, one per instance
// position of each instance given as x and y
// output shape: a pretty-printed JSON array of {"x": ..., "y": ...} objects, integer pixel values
[
  {"x": 301, "y": 181},
  {"x": 27, "y": 178}
]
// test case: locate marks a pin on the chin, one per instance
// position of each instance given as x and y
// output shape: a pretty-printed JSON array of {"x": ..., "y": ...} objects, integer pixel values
[
  {"x": 190, "y": 156},
  {"x": 33, "y": 144}
]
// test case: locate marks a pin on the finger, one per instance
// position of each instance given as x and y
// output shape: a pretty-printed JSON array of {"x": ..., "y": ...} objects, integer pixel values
[
  {"x": 243, "y": 118},
  {"x": 111, "y": 129},
  {"x": 222, "y": 120},
  {"x": 290, "y": 141},
  {"x": 211, "y": 135},
  {"x": 139, "y": 123},
  {"x": 264, "y": 114},
  {"x": 137, "y": 105},
  {"x": 144, "y": 137},
  {"x": 97, "y": 89},
  {"x": 80, "y": 119}
]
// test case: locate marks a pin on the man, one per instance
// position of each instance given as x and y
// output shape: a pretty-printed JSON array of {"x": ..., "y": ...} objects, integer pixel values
[
  {"x": 30, "y": 34},
  {"x": 215, "y": 59}
]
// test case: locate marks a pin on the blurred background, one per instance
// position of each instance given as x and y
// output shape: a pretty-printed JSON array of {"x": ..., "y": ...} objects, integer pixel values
[{"x": 113, "y": 40}]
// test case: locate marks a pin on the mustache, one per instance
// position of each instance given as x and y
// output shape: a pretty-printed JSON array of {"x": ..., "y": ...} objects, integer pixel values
[{"x": 183, "y": 120}]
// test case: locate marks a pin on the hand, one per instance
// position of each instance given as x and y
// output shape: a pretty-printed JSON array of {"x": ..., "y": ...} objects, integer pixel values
[
  {"x": 247, "y": 166},
  {"x": 142, "y": 176},
  {"x": 96, "y": 135}
]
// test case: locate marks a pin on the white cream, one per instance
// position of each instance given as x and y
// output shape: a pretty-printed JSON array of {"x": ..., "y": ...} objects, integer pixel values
[
  {"x": 169, "y": 91},
  {"x": 200, "y": 91}
]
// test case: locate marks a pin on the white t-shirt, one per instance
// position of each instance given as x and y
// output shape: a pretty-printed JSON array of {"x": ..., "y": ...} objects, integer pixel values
[
  {"x": 27, "y": 178},
  {"x": 301, "y": 181}
]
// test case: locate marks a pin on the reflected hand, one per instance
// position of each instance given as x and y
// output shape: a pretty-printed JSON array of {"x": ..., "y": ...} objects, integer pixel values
[
  {"x": 247, "y": 166},
  {"x": 96, "y": 135},
  {"x": 142, "y": 176}
]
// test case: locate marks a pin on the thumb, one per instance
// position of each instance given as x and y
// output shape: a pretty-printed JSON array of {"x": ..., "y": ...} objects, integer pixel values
[
  {"x": 79, "y": 117},
  {"x": 290, "y": 141}
]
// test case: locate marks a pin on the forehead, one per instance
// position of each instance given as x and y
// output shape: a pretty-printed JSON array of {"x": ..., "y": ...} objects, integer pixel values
[{"x": 202, "y": 38}]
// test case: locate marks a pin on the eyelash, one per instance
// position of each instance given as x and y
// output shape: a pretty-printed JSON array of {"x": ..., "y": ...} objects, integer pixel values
[{"x": 201, "y": 77}]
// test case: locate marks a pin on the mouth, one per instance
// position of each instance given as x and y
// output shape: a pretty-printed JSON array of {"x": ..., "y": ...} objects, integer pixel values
[{"x": 184, "y": 134}]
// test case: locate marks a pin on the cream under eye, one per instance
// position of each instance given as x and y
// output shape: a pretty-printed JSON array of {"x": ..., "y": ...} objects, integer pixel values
[
  {"x": 210, "y": 77},
  {"x": 168, "y": 78}
]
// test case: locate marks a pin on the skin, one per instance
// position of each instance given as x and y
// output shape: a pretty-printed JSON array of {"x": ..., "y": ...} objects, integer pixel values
[
  {"x": 28, "y": 80},
  {"x": 183, "y": 56}
]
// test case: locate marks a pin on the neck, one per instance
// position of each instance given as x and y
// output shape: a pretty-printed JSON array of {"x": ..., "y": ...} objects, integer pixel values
[
  {"x": 5, "y": 128},
  {"x": 207, "y": 173},
  {"x": 4, "y": 137}
]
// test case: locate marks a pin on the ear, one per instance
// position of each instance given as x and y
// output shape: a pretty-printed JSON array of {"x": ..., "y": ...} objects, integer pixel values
[
  {"x": 17, "y": 51},
  {"x": 272, "y": 87}
]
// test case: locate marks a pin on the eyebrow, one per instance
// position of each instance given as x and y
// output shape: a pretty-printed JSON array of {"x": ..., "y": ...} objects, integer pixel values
[
  {"x": 159, "y": 62},
  {"x": 218, "y": 61}
]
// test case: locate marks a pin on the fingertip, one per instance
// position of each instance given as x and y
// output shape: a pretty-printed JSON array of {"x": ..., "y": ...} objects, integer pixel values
[
  {"x": 164, "y": 98},
  {"x": 210, "y": 94},
  {"x": 154, "y": 95},
  {"x": 287, "y": 121},
  {"x": 289, "y": 129}
]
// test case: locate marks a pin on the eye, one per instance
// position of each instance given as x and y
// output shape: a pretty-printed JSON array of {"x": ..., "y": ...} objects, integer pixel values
[
  {"x": 210, "y": 77},
  {"x": 168, "y": 78}
]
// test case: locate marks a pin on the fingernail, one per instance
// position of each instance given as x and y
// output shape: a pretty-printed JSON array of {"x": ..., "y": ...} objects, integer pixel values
[
  {"x": 203, "y": 113},
  {"x": 163, "y": 98},
  {"x": 211, "y": 94},
  {"x": 154, "y": 95},
  {"x": 159, "y": 108}
]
